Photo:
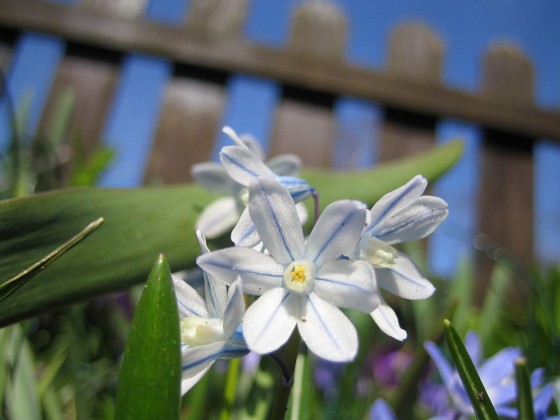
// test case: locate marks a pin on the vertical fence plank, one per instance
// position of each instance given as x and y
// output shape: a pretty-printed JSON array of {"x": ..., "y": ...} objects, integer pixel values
[
  {"x": 89, "y": 75},
  {"x": 122, "y": 8},
  {"x": 506, "y": 191},
  {"x": 304, "y": 121},
  {"x": 318, "y": 31},
  {"x": 216, "y": 18},
  {"x": 189, "y": 119},
  {"x": 415, "y": 57}
]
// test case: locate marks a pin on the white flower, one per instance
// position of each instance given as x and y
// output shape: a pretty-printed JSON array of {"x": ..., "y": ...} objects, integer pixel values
[
  {"x": 210, "y": 327},
  {"x": 241, "y": 163},
  {"x": 301, "y": 283},
  {"x": 399, "y": 216}
]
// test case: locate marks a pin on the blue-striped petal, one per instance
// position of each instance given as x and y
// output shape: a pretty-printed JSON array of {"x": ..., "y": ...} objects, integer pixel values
[
  {"x": 285, "y": 165},
  {"x": 274, "y": 214},
  {"x": 242, "y": 165},
  {"x": 347, "y": 284},
  {"x": 259, "y": 272},
  {"x": 416, "y": 221},
  {"x": 235, "y": 309},
  {"x": 337, "y": 231},
  {"x": 397, "y": 200},
  {"x": 213, "y": 177},
  {"x": 386, "y": 319},
  {"x": 270, "y": 320},
  {"x": 327, "y": 332},
  {"x": 218, "y": 217},
  {"x": 189, "y": 302},
  {"x": 404, "y": 279}
]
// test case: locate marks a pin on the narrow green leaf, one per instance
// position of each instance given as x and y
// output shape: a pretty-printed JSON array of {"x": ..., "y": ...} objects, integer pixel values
[
  {"x": 150, "y": 375},
  {"x": 480, "y": 401},
  {"x": 524, "y": 395},
  {"x": 142, "y": 222},
  {"x": 11, "y": 285}
]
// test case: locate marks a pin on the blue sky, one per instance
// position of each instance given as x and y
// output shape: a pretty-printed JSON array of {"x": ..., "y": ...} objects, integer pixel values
[{"x": 467, "y": 29}]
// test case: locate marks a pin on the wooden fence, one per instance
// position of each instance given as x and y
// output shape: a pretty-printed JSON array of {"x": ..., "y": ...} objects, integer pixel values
[{"x": 312, "y": 74}]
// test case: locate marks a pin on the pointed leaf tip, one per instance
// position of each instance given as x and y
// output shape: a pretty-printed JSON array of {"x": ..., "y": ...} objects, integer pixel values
[{"x": 149, "y": 381}]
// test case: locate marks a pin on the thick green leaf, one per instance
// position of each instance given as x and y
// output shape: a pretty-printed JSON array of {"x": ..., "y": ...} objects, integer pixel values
[
  {"x": 480, "y": 401},
  {"x": 139, "y": 224},
  {"x": 150, "y": 375}
]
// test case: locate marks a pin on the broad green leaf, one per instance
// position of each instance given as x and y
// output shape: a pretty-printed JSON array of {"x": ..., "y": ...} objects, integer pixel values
[
  {"x": 524, "y": 395},
  {"x": 480, "y": 401},
  {"x": 150, "y": 375},
  {"x": 141, "y": 223}
]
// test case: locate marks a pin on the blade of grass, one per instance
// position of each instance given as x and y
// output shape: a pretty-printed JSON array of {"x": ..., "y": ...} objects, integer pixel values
[
  {"x": 524, "y": 395},
  {"x": 11, "y": 285},
  {"x": 480, "y": 401}
]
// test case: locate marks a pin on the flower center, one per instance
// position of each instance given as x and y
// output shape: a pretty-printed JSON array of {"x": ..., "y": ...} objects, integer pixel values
[
  {"x": 299, "y": 277},
  {"x": 199, "y": 331},
  {"x": 377, "y": 253}
]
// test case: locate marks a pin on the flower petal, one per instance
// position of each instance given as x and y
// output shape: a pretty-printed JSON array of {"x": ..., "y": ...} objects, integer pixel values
[
  {"x": 414, "y": 222},
  {"x": 381, "y": 410},
  {"x": 298, "y": 188},
  {"x": 274, "y": 214},
  {"x": 259, "y": 272},
  {"x": 213, "y": 177},
  {"x": 327, "y": 331},
  {"x": 386, "y": 319},
  {"x": 235, "y": 309},
  {"x": 499, "y": 367},
  {"x": 442, "y": 365},
  {"x": 242, "y": 165},
  {"x": 472, "y": 344},
  {"x": 347, "y": 284},
  {"x": 215, "y": 291},
  {"x": 270, "y": 320},
  {"x": 245, "y": 233},
  {"x": 285, "y": 165},
  {"x": 253, "y": 144},
  {"x": 396, "y": 200},
  {"x": 189, "y": 302},
  {"x": 196, "y": 360},
  {"x": 190, "y": 377},
  {"x": 404, "y": 279},
  {"x": 218, "y": 217},
  {"x": 337, "y": 231}
]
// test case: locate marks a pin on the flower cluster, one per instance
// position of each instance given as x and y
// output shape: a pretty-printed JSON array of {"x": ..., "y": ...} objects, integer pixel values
[{"x": 300, "y": 282}]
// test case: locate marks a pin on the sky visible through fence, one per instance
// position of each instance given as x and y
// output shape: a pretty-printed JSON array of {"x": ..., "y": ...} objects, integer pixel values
[{"x": 467, "y": 28}]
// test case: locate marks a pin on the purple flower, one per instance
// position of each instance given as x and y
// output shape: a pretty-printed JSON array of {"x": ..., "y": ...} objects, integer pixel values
[
  {"x": 380, "y": 410},
  {"x": 498, "y": 377}
]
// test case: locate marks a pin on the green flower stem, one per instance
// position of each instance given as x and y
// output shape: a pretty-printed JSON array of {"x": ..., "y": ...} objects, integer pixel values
[
  {"x": 230, "y": 388},
  {"x": 284, "y": 383},
  {"x": 524, "y": 396}
]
